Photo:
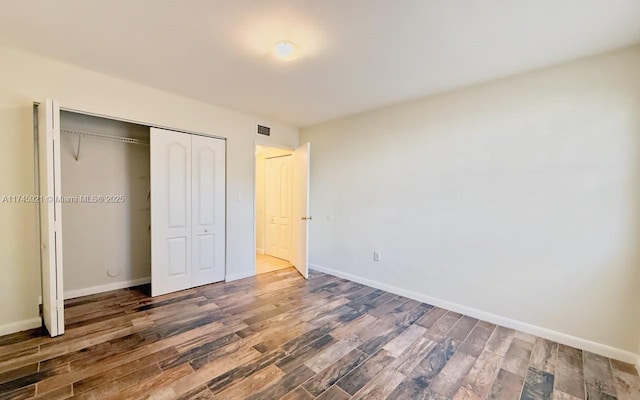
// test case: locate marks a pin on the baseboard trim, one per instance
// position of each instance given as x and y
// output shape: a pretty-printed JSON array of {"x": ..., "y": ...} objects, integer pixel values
[
  {"x": 20, "y": 326},
  {"x": 259, "y": 251},
  {"x": 72, "y": 294},
  {"x": 563, "y": 338},
  {"x": 238, "y": 276}
]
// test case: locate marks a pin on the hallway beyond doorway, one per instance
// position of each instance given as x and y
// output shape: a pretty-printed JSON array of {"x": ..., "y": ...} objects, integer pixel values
[{"x": 265, "y": 263}]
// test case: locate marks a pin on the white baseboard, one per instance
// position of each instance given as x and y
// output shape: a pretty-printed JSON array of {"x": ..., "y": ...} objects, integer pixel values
[
  {"x": 563, "y": 338},
  {"x": 72, "y": 294},
  {"x": 259, "y": 251},
  {"x": 240, "y": 275},
  {"x": 20, "y": 326}
]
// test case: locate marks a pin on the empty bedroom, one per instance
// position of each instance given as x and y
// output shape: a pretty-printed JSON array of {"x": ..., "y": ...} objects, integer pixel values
[{"x": 320, "y": 199}]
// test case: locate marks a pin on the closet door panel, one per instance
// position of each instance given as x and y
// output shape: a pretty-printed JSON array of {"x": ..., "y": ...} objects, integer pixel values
[
  {"x": 208, "y": 205},
  {"x": 206, "y": 184},
  {"x": 177, "y": 256},
  {"x": 50, "y": 181},
  {"x": 206, "y": 257},
  {"x": 178, "y": 173},
  {"x": 170, "y": 211}
]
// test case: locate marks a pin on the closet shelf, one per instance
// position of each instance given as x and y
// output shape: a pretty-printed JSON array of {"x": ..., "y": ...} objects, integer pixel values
[
  {"x": 105, "y": 137},
  {"x": 100, "y": 136}
]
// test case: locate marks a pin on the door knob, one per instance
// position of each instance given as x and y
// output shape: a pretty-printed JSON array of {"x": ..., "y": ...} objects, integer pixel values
[{"x": 307, "y": 218}]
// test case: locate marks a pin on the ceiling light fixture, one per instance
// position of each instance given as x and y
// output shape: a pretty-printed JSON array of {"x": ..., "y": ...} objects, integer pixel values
[{"x": 286, "y": 51}]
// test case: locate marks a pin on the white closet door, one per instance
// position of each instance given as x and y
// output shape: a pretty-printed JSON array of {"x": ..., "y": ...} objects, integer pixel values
[
  {"x": 170, "y": 211},
  {"x": 50, "y": 216},
  {"x": 208, "y": 210}
]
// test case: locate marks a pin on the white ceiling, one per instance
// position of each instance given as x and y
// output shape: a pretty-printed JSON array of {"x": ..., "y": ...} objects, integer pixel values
[{"x": 356, "y": 54}]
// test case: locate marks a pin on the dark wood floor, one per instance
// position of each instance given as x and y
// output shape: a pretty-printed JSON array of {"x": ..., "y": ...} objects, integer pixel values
[{"x": 278, "y": 336}]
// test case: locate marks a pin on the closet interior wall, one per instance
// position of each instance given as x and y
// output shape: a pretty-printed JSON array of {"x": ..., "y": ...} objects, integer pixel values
[{"x": 106, "y": 245}]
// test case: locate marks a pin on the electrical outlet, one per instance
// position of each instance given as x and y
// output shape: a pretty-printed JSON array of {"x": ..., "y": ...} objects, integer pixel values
[{"x": 376, "y": 256}]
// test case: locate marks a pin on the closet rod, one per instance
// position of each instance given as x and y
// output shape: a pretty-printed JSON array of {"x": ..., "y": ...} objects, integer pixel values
[{"x": 120, "y": 139}]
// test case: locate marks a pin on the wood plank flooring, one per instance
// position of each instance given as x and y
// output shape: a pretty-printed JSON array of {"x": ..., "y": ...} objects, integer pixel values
[{"x": 277, "y": 336}]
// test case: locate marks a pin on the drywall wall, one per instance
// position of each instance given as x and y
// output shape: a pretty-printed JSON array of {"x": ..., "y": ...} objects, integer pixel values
[
  {"x": 25, "y": 78},
  {"x": 262, "y": 153},
  {"x": 106, "y": 244},
  {"x": 519, "y": 199}
]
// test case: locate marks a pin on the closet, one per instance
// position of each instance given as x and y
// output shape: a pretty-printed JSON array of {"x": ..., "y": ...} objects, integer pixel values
[{"x": 124, "y": 204}]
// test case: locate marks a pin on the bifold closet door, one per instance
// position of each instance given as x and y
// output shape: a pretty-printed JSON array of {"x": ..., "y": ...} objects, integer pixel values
[
  {"x": 49, "y": 179},
  {"x": 187, "y": 211},
  {"x": 208, "y": 209},
  {"x": 170, "y": 211}
]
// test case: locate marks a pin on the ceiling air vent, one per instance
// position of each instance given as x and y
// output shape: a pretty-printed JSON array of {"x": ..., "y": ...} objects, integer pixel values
[{"x": 264, "y": 130}]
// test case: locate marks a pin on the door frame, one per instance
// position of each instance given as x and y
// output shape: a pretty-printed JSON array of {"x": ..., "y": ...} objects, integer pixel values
[{"x": 262, "y": 143}]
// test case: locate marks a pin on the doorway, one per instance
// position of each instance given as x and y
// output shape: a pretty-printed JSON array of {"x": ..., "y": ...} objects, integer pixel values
[
  {"x": 274, "y": 191},
  {"x": 282, "y": 208}
]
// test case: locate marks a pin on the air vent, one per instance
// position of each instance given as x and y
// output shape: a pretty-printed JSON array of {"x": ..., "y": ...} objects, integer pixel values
[{"x": 264, "y": 130}]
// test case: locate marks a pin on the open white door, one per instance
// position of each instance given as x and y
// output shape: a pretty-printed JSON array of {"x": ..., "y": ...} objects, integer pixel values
[
  {"x": 170, "y": 211},
  {"x": 301, "y": 215},
  {"x": 49, "y": 178}
]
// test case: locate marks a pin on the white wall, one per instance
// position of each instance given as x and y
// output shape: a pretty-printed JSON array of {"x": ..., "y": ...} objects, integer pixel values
[
  {"x": 519, "y": 199},
  {"x": 260, "y": 196},
  {"x": 25, "y": 78},
  {"x": 105, "y": 244}
]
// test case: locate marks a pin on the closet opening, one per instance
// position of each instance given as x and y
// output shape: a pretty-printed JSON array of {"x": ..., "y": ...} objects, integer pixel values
[
  {"x": 105, "y": 181},
  {"x": 124, "y": 205},
  {"x": 274, "y": 212}
]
